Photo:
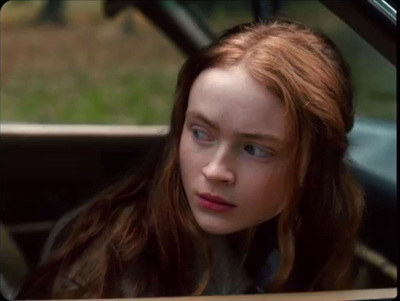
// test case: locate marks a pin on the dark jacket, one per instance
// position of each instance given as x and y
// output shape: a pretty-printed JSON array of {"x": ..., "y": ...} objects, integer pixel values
[{"x": 227, "y": 276}]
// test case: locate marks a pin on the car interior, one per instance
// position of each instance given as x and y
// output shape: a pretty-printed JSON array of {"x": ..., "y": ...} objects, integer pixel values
[{"x": 48, "y": 170}]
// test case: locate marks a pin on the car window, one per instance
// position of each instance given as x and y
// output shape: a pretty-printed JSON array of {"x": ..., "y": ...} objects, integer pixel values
[
  {"x": 83, "y": 68},
  {"x": 221, "y": 15},
  {"x": 374, "y": 77},
  {"x": 90, "y": 69}
]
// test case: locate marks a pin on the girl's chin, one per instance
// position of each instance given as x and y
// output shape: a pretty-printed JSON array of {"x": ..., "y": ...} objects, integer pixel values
[
  {"x": 218, "y": 228},
  {"x": 215, "y": 224}
]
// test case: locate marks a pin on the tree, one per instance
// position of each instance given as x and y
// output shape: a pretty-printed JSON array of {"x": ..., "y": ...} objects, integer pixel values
[{"x": 52, "y": 12}]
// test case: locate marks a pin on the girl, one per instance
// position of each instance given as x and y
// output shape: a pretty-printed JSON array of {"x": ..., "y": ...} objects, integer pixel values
[{"x": 251, "y": 195}]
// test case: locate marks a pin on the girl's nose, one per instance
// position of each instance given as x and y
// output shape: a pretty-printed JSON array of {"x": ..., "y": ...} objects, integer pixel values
[{"x": 217, "y": 170}]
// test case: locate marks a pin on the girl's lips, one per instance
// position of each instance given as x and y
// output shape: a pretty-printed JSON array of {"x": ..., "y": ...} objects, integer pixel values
[{"x": 214, "y": 203}]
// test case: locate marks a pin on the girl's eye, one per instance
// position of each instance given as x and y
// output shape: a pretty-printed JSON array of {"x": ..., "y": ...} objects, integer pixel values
[
  {"x": 256, "y": 151},
  {"x": 200, "y": 135}
]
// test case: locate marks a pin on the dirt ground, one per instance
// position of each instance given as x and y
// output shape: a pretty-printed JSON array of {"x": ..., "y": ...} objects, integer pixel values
[{"x": 43, "y": 66}]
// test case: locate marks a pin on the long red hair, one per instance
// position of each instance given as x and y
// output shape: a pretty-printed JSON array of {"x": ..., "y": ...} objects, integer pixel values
[{"x": 145, "y": 221}]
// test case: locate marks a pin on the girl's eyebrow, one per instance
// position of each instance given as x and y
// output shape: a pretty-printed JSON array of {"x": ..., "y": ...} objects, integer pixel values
[
  {"x": 197, "y": 115},
  {"x": 252, "y": 135}
]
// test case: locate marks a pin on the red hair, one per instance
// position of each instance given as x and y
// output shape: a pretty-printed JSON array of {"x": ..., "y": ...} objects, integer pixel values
[{"x": 147, "y": 220}]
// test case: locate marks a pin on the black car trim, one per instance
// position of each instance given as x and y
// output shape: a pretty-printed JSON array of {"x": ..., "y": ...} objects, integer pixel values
[
  {"x": 370, "y": 22},
  {"x": 178, "y": 23}
]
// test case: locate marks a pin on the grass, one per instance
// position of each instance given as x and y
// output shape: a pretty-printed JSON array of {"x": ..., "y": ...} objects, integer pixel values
[
  {"x": 120, "y": 97},
  {"x": 90, "y": 71},
  {"x": 86, "y": 72}
]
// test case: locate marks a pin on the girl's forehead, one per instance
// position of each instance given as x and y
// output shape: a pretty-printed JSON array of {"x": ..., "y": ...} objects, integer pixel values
[{"x": 232, "y": 98}]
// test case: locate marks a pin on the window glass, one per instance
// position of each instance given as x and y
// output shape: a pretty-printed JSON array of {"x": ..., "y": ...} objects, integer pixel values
[
  {"x": 221, "y": 15},
  {"x": 72, "y": 65},
  {"x": 374, "y": 77},
  {"x": 123, "y": 70}
]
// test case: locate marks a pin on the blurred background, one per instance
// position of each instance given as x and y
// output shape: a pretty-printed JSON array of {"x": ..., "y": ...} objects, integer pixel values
[{"x": 64, "y": 62}]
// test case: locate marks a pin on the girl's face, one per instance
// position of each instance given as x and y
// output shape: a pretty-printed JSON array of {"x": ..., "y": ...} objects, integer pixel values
[{"x": 233, "y": 155}]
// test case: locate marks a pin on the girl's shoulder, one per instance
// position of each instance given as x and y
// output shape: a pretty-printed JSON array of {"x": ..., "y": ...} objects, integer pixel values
[
  {"x": 267, "y": 270},
  {"x": 60, "y": 231}
]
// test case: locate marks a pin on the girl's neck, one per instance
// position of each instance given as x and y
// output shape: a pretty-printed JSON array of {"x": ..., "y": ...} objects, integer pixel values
[{"x": 215, "y": 237}]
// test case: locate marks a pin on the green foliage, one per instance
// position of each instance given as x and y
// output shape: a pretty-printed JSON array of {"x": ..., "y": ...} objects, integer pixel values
[{"x": 91, "y": 72}]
